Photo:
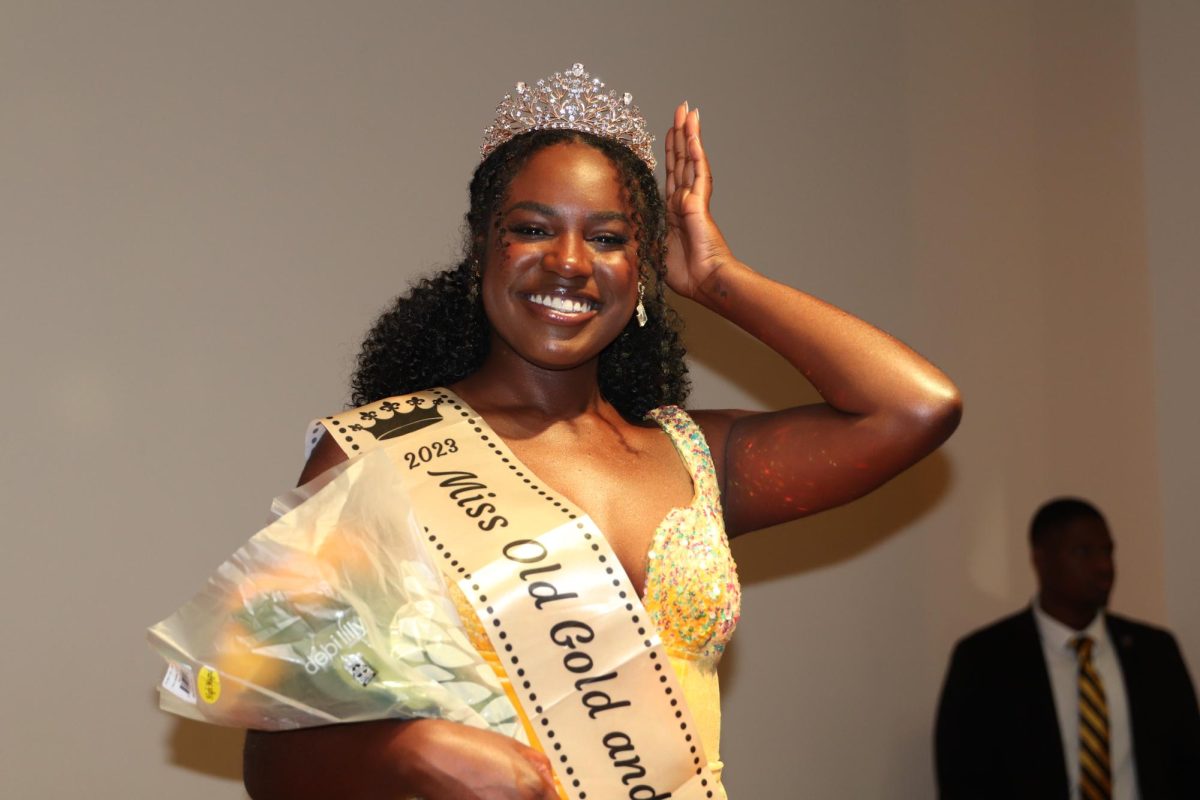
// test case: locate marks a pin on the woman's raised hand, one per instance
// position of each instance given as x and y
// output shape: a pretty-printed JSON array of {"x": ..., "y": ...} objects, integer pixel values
[{"x": 696, "y": 247}]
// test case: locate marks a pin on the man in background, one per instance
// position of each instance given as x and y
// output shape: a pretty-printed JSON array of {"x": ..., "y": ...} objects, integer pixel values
[{"x": 1065, "y": 700}]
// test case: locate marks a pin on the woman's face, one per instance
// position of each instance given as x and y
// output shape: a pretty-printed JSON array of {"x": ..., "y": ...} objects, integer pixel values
[{"x": 560, "y": 275}]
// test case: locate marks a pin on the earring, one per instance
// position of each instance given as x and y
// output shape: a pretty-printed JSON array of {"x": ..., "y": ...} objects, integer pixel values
[{"x": 642, "y": 318}]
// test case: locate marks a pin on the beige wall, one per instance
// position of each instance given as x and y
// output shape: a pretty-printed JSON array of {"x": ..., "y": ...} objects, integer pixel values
[
  {"x": 1170, "y": 71},
  {"x": 202, "y": 205}
]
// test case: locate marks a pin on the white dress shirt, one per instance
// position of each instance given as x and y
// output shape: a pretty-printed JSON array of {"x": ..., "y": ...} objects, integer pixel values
[{"x": 1062, "y": 663}]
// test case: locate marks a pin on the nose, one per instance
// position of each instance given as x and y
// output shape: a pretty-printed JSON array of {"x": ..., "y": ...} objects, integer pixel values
[
  {"x": 1104, "y": 567},
  {"x": 568, "y": 256}
]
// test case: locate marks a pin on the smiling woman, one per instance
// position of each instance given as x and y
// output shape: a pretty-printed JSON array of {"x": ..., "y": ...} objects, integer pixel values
[
  {"x": 561, "y": 270},
  {"x": 561, "y": 361},
  {"x": 438, "y": 333}
]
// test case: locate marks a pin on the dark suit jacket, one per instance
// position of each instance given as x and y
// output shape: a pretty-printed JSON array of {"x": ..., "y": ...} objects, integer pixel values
[{"x": 997, "y": 730}]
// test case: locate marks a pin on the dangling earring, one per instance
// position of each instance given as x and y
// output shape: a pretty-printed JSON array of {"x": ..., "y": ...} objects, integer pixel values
[{"x": 641, "y": 307}]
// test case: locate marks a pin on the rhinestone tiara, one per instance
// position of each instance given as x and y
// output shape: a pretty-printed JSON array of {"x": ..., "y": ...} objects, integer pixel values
[{"x": 571, "y": 100}]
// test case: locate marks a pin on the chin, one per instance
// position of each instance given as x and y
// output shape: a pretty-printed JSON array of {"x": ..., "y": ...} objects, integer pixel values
[
  {"x": 570, "y": 355},
  {"x": 552, "y": 356}
]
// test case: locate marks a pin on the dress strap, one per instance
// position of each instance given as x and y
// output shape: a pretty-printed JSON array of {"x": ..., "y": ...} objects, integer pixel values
[{"x": 692, "y": 447}]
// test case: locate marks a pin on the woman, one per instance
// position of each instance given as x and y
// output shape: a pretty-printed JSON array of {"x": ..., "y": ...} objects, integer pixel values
[{"x": 559, "y": 339}]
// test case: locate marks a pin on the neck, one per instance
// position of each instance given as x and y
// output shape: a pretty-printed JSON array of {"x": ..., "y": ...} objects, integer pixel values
[
  {"x": 510, "y": 384},
  {"x": 1074, "y": 617}
]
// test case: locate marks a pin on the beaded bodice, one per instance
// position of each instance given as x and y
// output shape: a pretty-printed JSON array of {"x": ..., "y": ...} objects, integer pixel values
[{"x": 692, "y": 591}]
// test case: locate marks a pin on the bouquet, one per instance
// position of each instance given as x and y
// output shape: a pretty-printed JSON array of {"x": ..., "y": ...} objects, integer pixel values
[{"x": 332, "y": 613}]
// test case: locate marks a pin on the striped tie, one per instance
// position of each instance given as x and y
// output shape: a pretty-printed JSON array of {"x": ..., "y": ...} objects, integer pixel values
[{"x": 1095, "y": 771}]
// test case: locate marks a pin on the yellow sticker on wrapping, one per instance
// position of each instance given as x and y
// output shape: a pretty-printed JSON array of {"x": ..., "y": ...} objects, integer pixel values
[{"x": 209, "y": 684}]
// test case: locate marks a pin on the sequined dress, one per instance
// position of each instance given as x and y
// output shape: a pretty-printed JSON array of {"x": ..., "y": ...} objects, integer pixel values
[{"x": 691, "y": 592}]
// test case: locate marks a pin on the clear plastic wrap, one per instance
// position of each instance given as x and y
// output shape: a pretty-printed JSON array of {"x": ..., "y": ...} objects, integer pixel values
[{"x": 332, "y": 613}]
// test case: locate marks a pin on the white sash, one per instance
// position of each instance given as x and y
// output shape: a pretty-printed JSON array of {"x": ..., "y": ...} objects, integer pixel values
[{"x": 581, "y": 652}]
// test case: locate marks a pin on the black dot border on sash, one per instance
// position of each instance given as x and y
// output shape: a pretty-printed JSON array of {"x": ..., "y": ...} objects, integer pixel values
[
  {"x": 514, "y": 661},
  {"x": 341, "y": 428},
  {"x": 447, "y": 555},
  {"x": 602, "y": 559}
]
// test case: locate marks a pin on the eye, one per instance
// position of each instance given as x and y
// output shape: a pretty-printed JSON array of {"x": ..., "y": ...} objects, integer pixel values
[
  {"x": 610, "y": 240},
  {"x": 530, "y": 230}
]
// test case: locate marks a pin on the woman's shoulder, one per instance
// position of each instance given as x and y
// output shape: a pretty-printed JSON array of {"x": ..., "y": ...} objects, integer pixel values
[
  {"x": 323, "y": 455},
  {"x": 711, "y": 427},
  {"x": 334, "y": 438},
  {"x": 714, "y": 424}
]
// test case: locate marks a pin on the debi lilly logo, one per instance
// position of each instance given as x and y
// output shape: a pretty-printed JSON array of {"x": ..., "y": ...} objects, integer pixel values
[{"x": 349, "y": 632}]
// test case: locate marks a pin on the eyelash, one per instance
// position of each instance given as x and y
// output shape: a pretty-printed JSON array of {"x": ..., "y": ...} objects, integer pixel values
[
  {"x": 611, "y": 240},
  {"x": 602, "y": 239}
]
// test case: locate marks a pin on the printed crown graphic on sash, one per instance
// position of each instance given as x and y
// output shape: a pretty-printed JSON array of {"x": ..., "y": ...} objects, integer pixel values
[{"x": 400, "y": 422}]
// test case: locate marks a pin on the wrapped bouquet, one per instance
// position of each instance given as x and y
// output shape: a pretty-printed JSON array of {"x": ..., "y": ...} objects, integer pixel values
[{"x": 332, "y": 613}]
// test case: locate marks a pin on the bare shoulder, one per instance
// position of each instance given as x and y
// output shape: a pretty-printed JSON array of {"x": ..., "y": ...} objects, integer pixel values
[
  {"x": 715, "y": 424},
  {"x": 325, "y": 455}
]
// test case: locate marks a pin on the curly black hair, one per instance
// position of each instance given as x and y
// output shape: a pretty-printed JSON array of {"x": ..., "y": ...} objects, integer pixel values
[{"x": 438, "y": 334}]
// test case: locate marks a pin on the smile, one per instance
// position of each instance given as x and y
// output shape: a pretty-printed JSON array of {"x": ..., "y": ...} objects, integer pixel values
[{"x": 563, "y": 305}]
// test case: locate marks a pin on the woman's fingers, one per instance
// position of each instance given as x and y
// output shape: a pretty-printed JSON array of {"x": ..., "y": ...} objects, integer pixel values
[
  {"x": 691, "y": 130},
  {"x": 541, "y": 765},
  {"x": 455, "y": 762},
  {"x": 670, "y": 163},
  {"x": 702, "y": 179},
  {"x": 680, "y": 146},
  {"x": 675, "y": 145},
  {"x": 686, "y": 162},
  {"x": 681, "y": 158}
]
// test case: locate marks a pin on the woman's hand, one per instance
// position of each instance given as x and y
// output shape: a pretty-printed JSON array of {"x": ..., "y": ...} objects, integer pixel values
[
  {"x": 427, "y": 758},
  {"x": 695, "y": 247},
  {"x": 448, "y": 761}
]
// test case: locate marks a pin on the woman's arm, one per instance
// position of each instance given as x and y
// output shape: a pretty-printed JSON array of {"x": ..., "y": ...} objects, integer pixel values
[
  {"x": 363, "y": 760},
  {"x": 431, "y": 759},
  {"x": 885, "y": 406}
]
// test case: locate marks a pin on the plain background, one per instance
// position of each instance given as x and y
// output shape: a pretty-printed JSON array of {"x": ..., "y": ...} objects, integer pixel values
[{"x": 202, "y": 206}]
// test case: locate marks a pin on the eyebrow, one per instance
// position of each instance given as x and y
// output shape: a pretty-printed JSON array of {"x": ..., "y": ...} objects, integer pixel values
[{"x": 549, "y": 211}]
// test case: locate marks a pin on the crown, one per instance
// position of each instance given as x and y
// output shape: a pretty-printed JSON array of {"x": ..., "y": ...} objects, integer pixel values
[
  {"x": 574, "y": 101},
  {"x": 400, "y": 422}
]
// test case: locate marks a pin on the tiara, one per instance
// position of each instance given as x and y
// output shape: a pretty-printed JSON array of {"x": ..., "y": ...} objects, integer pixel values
[{"x": 573, "y": 100}]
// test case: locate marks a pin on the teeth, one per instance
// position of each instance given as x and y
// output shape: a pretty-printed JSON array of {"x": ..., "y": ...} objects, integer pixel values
[{"x": 563, "y": 304}]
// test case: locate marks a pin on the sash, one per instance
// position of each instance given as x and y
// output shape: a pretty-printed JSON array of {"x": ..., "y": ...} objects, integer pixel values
[{"x": 583, "y": 656}]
